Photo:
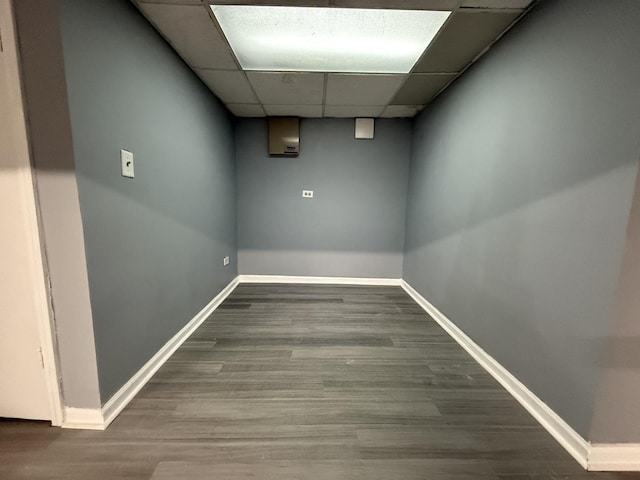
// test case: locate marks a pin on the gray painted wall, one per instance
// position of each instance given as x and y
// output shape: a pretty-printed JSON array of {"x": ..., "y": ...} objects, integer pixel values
[
  {"x": 49, "y": 128},
  {"x": 354, "y": 225},
  {"x": 154, "y": 244},
  {"x": 522, "y": 177}
]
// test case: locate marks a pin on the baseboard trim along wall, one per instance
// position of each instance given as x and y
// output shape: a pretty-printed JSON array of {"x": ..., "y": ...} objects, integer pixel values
[
  {"x": 551, "y": 421},
  {"x": 83, "y": 418},
  {"x": 594, "y": 457},
  {"x": 608, "y": 457},
  {"x": 318, "y": 280},
  {"x": 99, "y": 419}
]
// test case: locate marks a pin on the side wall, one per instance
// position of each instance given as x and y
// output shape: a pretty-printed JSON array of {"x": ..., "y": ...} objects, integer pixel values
[
  {"x": 521, "y": 183},
  {"x": 155, "y": 243},
  {"x": 354, "y": 224}
]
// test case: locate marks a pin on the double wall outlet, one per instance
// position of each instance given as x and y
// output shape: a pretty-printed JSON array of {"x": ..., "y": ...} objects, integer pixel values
[{"x": 307, "y": 193}]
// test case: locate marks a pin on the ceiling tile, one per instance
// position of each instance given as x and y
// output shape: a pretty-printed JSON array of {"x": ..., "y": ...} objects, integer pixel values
[
  {"x": 191, "y": 31},
  {"x": 314, "y": 111},
  {"x": 365, "y": 89},
  {"x": 463, "y": 37},
  {"x": 344, "y": 111},
  {"x": 277, "y": 88},
  {"x": 421, "y": 87},
  {"x": 393, "y": 111},
  {"x": 245, "y": 110},
  {"x": 230, "y": 86},
  {"x": 496, "y": 3}
]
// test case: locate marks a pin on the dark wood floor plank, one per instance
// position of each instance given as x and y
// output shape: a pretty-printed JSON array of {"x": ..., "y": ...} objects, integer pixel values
[{"x": 307, "y": 382}]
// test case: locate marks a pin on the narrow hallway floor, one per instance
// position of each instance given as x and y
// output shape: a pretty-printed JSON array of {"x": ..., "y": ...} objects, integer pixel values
[{"x": 307, "y": 382}]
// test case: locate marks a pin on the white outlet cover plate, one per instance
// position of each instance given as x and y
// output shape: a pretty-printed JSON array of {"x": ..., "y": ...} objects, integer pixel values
[
  {"x": 126, "y": 160},
  {"x": 307, "y": 193},
  {"x": 225, "y": 261}
]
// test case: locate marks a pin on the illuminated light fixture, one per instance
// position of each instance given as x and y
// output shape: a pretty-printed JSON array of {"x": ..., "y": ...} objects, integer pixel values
[{"x": 312, "y": 39}]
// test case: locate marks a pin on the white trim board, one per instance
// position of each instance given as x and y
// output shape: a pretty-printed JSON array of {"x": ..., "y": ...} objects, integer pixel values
[
  {"x": 621, "y": 457},
  {"x": 99, "y": 419},
  {"x": 15, "y": 145},
  {"x": 318, "y": 280},
  {"x": 593, "y": 457},
  {"x": 83, "y": 418}
]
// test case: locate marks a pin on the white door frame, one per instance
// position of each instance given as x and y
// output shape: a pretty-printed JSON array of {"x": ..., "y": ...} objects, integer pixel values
[{"x": 37, "y": 265}]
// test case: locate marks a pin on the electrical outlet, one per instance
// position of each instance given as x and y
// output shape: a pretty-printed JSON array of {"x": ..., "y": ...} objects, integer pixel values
[
  {"x": 307, "y": 193},
  {"x": 126, "y": 161},
  {"x": 226, "y": 261}
]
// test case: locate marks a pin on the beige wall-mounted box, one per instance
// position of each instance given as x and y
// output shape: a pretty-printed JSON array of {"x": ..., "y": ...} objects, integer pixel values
[
  {"x": 364, "y": 128},
  {"x": 284, "y": 136}
]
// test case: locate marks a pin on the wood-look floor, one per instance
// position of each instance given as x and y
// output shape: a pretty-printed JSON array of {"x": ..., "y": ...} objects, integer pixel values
[{"x": 307, "y": 382}]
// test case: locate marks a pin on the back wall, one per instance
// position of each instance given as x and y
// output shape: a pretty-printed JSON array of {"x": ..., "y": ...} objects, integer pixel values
[{"x": 354, "y": 224}]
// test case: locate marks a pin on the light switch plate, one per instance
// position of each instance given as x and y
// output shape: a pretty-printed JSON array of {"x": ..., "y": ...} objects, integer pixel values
[
  {"x": 126, "y": 160},
  {"x": 225, "y": 261}
]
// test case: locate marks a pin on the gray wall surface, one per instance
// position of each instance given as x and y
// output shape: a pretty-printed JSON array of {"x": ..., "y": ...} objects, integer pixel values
[
  {"x": 354, "y": 224},
  {"x": 155, "y": 243},
  {"x": 522, "y": 176},
  {"x": 51, "y": 147}
]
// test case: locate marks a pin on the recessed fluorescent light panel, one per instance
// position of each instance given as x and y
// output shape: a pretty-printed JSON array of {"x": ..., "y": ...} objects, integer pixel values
[{"x": 310, "y": 39}]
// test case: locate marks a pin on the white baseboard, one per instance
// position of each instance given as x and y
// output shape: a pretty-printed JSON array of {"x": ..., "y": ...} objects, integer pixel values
[
  {"x": 99, "y": 419},
  {"x": 621, "y": 457},
  {"x": 318, "y": 280},
  {"x": 83, "y": 418},
  {"x": 577, "y": 446}
]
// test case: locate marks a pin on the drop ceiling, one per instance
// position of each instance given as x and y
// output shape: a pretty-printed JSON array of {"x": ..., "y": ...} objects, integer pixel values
[{"x": 192, "y": 29}]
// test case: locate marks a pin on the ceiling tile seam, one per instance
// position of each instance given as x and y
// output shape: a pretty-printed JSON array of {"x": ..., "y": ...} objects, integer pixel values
[{"x": 217, "y": 26}]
